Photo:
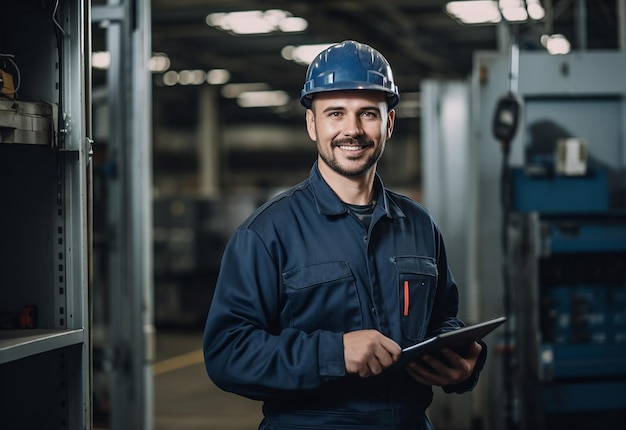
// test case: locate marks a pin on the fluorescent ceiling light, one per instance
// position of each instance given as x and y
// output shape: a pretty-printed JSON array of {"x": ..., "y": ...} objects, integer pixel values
[
  {"x": 556, "y": 44},
  {"x": 232, "y": 91},
  {"x": 303, "y": 54},
  {"x": 263, "y": 98},
  {"x": 170, "y": 78},
  {"x": 217, "y": 76},
  {"x": 493, "y": 11},
  {"x": 191, "y": 77},
  {"x": 535, "y": 10},
  {"x": 293, "y": 24},
  {"x": 257, "y": 21},
  {"x": 474, "y": 12},
  {"x": 101, "y": 60},
  {"x": 513, "y": 10},
  {"x": 159, "y": 62}
]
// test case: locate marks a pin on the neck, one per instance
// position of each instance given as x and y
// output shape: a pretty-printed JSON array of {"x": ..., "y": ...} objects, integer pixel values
[{"x": 357, "y": 190}]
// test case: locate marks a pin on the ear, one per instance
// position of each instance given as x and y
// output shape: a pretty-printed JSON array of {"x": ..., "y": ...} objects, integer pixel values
[
  {"x": 391, "y": 116},
  {"x": 310, "y": 125}
]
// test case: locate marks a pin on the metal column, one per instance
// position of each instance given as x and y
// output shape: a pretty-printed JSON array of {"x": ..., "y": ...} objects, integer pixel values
[
  {"x": 209, "y": 142},
  {"x": 129, "y": 212}
]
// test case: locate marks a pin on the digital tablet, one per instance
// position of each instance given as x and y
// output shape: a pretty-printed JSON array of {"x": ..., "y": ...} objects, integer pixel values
[{"x": 457, "y": 340}]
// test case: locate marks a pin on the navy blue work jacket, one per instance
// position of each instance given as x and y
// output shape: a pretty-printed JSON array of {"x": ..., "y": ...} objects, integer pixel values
[{"x": 300, "y": 272}]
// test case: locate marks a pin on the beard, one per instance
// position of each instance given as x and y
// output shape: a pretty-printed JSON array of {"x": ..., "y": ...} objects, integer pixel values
[{"x": 329, "y": 159}]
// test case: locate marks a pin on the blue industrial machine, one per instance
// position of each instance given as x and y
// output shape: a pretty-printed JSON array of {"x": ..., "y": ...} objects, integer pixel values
[{"x": 566, "y": 270}]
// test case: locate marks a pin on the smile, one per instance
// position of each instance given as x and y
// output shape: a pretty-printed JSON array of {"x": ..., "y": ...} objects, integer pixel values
[{"x": 351, "y": 147}]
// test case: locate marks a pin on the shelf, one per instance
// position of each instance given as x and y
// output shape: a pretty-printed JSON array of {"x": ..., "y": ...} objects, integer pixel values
[
  {"x": 18, "y": 344},
  {"x": 27, "y": 122},
  {"x": 588, "y": 238}
]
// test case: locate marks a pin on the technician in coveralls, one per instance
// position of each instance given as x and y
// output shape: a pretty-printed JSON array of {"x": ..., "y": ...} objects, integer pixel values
[{"x": 321, "y": 287}]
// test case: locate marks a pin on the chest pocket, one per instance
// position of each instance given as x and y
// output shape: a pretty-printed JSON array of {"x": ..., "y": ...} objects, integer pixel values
[
  {"x": 417, "y": 284},
  {"x": 323, "y": 296}
]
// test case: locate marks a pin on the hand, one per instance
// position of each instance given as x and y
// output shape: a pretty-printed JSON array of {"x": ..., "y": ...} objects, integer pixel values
[
  {"x": 369, "y": 352},
  {"x": 437, "y": 372}
]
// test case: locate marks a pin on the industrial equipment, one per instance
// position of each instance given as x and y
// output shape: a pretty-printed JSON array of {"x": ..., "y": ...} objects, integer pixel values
[{"x": 566, "y": 266}]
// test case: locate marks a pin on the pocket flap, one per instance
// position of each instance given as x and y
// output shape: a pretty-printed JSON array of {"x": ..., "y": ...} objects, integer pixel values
[
  {"x": 308, "y": 276},
  {"x": 417, "y": 265}
]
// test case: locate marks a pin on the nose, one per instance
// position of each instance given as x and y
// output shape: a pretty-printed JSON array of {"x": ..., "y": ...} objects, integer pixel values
[{"x": 353, "y": 126}]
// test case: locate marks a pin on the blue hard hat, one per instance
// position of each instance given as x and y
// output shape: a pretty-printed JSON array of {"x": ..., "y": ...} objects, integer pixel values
[{"x": 349, "y": 65}]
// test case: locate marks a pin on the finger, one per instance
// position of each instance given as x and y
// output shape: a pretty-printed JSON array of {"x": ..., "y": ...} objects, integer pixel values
[
  {"x": 384, "y": 358},
  {"x": 453, "y": 358},
  {"x": 423, "y": 374},
  {"x": 391, "y": 347},
  {"x": 436, "y": 365},
  {"x": 380, "y": 360},
  {"x": 475, "y": 349}
]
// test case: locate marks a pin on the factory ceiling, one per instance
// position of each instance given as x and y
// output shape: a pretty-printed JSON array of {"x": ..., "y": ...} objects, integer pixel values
[{"x": 417, "y": 36}]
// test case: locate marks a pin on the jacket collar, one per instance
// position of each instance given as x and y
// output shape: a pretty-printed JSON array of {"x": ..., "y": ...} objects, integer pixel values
[{"x": 329, "y": 204}]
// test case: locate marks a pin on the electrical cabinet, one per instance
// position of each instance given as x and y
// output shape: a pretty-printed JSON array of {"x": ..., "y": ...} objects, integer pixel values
[
  {"x": 45, "y": 359},
  {"x": 566, "y": 257}
]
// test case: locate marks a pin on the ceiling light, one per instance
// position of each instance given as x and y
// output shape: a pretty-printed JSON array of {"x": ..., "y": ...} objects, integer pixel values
[
  {"x": 303, "y": 54},
  {"x": 170, "y": 78},
  {"x": 159, "y": 62},
  {"x": 492, "y": 11},
  {"x": 191, "y": 77},
  {"x": 217, "y": 76},
  {"x": 513, "y": 10},
  {"x": 263, "y": 98},
  {"x": 474, "y": 12},
  {"x": 232, "y": 91},
  {"x": 535, "y": 10},
  {"x": 556, "y": 44},
  {"x": 257, "y": 21},
  {"x": 293, "y": 24},
  {"x": 100, "y": 60}
]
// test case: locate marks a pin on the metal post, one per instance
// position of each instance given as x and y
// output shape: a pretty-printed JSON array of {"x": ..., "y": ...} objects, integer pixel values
[
  {"x": 209, "y": 142},
  {"x": 129, "y": 213}
]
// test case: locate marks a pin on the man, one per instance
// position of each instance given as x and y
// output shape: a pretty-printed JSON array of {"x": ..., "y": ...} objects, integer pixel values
[{"x": 321, "y": 287}]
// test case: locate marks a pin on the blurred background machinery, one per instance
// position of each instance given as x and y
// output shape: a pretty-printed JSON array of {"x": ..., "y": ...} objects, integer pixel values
[
  {"x": 566, "y": 265},
  {"x": 189, "y": 235}
]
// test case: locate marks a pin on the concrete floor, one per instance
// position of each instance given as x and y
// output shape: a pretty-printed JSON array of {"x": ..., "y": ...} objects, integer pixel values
[{"x": 184, "y": 396}]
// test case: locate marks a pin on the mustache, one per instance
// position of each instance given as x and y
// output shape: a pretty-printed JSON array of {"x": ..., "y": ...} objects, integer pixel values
[{"x": 359, "y": 141}]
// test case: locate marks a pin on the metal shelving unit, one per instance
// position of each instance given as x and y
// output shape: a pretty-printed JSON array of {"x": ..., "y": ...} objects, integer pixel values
[{"x": 45, "y": 347}]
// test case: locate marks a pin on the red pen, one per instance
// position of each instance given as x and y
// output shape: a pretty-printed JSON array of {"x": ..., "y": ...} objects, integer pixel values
[{"x": 406, "y": 298}]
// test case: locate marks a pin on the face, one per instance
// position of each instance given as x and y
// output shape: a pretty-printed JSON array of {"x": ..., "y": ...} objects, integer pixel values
[{"x": 350, "y": 128}]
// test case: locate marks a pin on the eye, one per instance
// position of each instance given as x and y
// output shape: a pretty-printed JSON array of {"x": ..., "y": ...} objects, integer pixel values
[{"x": 370, "y": 114}]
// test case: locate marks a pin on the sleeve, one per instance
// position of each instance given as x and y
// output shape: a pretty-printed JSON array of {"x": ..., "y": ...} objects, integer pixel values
[{"x": 247, "y": 350}]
